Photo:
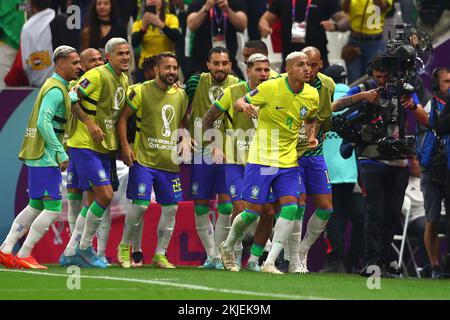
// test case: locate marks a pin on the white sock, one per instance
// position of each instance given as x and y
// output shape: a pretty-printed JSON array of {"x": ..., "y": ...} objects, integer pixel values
[
  {"x": 132, "y": 220},
  {"x": 76, "y": 236},
  {"x": 221, "y": 231},
  {"x": 73, "y": 209},
  {"x": 237, "y": 231},
  {"x": 294, "y": 241},
  {"x": 165, "y": 227},
  {"x": 205, "y": 232},
  {"x": 137, "y": 238},
  {"x": 38, "y": 229},
  {"x": 90, "y": 228},
  {"x": 283, "y": 229},
  {"x": 103, "y": 232},
  {"x": 238, "y": 248},
  {"x": 313, "y": 230},
  {"x": 19, "y": 228}
]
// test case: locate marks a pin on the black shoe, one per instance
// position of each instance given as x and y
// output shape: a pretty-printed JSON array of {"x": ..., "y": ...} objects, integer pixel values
[
  {"x": 426, "y": 271},
  {"x": 283, "y": 265},
  {"x": 391, "y": 270},
  {"x": 137, "y": 257},
  {"x": 365, "y": 273},
  {"x": 334, "y": 266},
  {"x": 436, "y": 272}
]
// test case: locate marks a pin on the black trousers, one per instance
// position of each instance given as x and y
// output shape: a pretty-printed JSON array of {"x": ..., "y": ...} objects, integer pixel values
[
  {"x": 385, "y": 187},
  {"x": 347, "y": 205}
]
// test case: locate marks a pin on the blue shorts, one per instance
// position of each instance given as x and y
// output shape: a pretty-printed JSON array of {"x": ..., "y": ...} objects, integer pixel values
[
  {"x": 283, "y": 181},
  {"x": 235, "y": 180},
  {"x": 93, "y": 168},
  {"x": 167, "y": 184},
  {"x": 314, "y": 175},
  {"x": 72, "y": 176},
  {"x": 207, "y": 180},
  {"x": 44, "y": 182},
  {"x": 73, "y": 181}
]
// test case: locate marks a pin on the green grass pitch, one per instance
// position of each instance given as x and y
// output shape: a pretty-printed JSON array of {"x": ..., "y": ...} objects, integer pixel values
[{"x": 196, "y": 284}]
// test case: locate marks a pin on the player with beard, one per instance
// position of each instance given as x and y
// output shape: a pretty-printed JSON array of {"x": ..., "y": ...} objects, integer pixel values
[
  {"x": 160, "y": 109},
  {"x": 93, "y": 143},
  {"x": 239, "y": 133},
  {"x": 208, "y": 170},
  {"x": 90, "y": 59}
]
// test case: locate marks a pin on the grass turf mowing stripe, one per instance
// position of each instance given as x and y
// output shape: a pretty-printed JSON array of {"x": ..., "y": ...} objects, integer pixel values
[{"x": 176, "y": 285}]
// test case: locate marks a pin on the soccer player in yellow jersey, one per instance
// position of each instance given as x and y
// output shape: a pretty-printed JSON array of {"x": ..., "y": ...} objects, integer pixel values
[
  {"x": 102, "y": 95},
  {"x": 282, "y": 106},
  {"x": 239, "y": 133},
  {"x": 160, "y": 109},
  {"x": 208, "y": 171},
  {"x": 90, "y": 59}
]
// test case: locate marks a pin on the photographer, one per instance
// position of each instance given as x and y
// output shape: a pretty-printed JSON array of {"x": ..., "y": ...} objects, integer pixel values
[
  {"x": 382, "y": 152},
  {"x": 433, "y": 153}
]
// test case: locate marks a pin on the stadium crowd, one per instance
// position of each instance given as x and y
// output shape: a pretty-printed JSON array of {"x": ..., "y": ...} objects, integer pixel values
[{"x": 160, "y": 84}]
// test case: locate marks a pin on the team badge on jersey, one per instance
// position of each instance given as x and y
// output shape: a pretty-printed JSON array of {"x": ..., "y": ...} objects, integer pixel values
[
  {"x": 255, "y": 192},
  {"x": 194, "y": 188},
  {"x": 102, "y": 174},
  {"x": 132, "y": 95},
  {"x": 254, "y": 92},
  {"x": 85, "y": 83},
  {"x": 141, "y": 189},
  {"x": 233, "y": 190},
  {"x": 69, "y": 177},
  {"x": 303, "y": 112}
]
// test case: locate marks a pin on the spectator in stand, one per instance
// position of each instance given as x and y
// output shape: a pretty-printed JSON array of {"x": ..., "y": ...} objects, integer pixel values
[
  {"x": 257, "y": 9},
  {"x": 11, "y": 22},
  {"x": 215, "y": 23},
  {"x": 309, "y": 19},
  {"x": 102, "y": 24},
  {"x": 366, "y": 37},
  {"x": 43, "y": 32},
  {"x": 156, "y": 32}
]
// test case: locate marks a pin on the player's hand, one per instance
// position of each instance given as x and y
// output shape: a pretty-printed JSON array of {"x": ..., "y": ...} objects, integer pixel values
[
  {"x": 313, "y": 143},
  {"x": 63, "y": 165},
  {"x": 95, "y": 132},
  {"x": 217, "y": 155},
  {"x": 328, "y": 25},
  {"x": 185, "y": 147},
  {"x": 127, "y": 155},
  {"x": 250, "y": 110}
]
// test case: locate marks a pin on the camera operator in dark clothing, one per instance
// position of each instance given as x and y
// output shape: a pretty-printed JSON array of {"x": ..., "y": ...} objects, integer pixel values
[
  {"x": 434, "y": 153},
  {"x": 382, "y": 151}
]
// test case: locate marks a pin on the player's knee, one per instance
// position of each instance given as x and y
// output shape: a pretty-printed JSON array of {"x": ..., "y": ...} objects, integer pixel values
[
  {"x": 288, "y": 211},
  {"x": 105, "y": 197},
  {"x": 225, "y": 208},
  {"x": 201, "y": 210},
  {"x": 324, "y": 214}
]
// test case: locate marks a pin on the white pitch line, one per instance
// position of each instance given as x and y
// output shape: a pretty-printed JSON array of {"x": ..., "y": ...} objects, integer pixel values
[{"x": 178, "y": 285}]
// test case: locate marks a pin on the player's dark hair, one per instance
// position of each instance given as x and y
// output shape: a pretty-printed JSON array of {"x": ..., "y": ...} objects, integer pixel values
[
  {"x": 257, "y": 44},
  {"x": 218, "y": 50}
]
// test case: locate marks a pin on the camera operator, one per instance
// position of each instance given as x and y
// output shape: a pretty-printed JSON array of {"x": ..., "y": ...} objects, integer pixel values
[
  {"x": 382, "y": 162},
  {"x": 433, "y": 154}
]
